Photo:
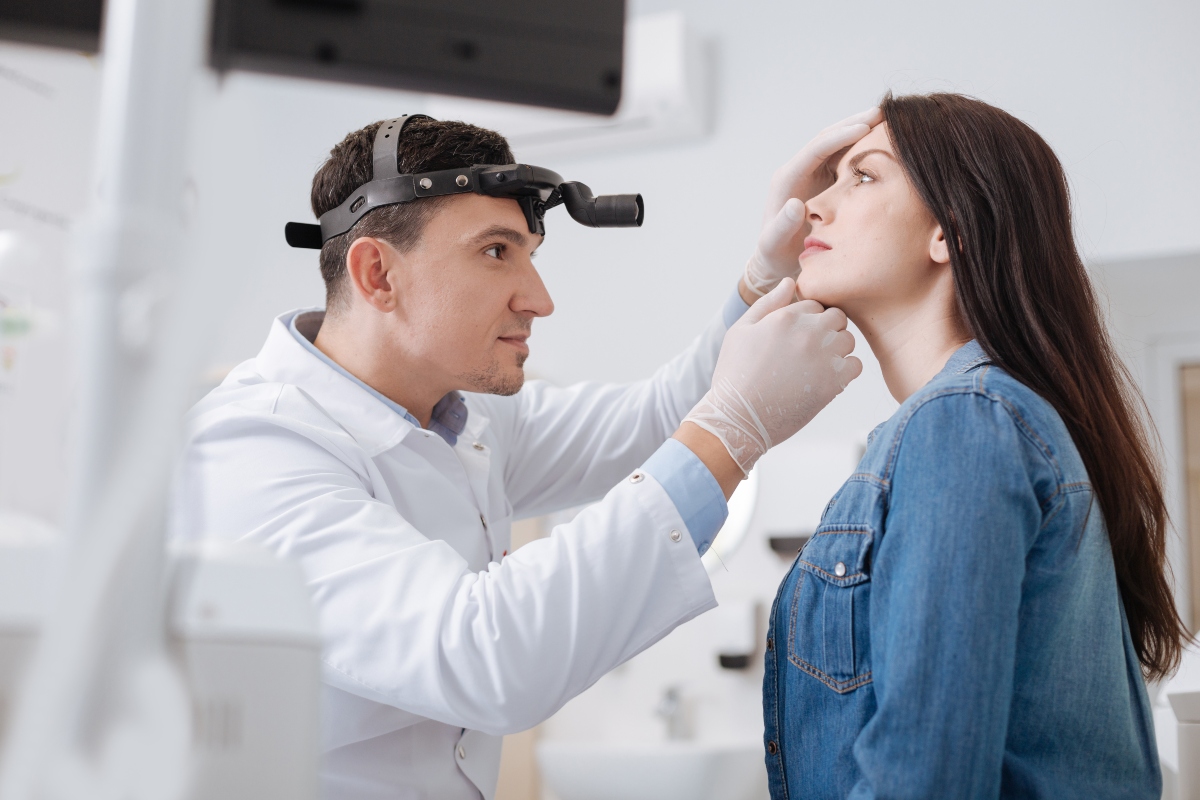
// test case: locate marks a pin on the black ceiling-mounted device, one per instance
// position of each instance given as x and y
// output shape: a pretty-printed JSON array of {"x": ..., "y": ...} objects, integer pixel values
[
  {"x": 72, "y": 24},
  {"x": 539, "y": 52},
  {"x": 535, "y": 189}
]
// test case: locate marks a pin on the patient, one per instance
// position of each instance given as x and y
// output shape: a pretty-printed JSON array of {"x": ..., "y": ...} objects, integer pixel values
[{"x": 978, "y": 608}]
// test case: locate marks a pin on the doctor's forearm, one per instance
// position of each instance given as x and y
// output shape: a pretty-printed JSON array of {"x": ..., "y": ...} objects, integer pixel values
[
  {"x": 748, "y": 295},
  {"x": 712, "y": 454}
]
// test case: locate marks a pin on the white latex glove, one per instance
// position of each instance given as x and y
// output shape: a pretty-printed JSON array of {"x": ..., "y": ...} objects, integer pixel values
[
  {"x": 780, "y": 364},
  {"x": 805, "y": 176}
]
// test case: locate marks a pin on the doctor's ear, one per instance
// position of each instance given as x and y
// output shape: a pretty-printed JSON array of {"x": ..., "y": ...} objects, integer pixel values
[
  {"x": 938, "y": 249},
  {"x": 368, "y": 261}
]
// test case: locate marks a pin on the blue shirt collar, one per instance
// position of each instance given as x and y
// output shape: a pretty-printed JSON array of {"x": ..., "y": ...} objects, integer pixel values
[
  {"x": 965, "y": 359},
  {"x": 449, "y": 415}
]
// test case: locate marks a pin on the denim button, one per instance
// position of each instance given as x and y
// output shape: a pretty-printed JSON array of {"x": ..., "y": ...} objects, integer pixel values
[
  {"x": 839, "y": 569},
  {"x": 772, "y": 748},
  {"x": 771, "y": 643}
]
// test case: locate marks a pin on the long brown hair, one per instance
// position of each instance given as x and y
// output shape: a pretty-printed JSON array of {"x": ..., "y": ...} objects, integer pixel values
[{"x": 999, "y": 192}]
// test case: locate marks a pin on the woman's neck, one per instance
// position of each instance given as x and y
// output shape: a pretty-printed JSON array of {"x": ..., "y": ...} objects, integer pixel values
[{"x": 912, "y": 344}]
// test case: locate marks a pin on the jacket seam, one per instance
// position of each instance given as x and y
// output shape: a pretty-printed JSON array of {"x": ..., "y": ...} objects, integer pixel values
[
  {"x": 841, "y": 687},
  {"x": 1014, "y": 414}
]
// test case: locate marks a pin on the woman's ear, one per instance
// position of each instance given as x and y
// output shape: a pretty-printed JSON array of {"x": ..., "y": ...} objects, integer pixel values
[
  {"x": 938, "y": 251},
  {"x": 368, "y": 261}
]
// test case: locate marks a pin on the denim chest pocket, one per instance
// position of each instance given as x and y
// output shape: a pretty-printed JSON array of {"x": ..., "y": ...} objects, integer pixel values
[{"x": 829, "y": 627}]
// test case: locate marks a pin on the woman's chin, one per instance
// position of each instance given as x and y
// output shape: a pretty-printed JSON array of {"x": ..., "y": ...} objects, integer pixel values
[{"x": 812, "y": 288}]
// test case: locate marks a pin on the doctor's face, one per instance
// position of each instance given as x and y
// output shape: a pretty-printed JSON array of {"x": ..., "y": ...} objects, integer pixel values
[
  {"x": 469, "y": 294},
  {"x": 874, "y": 247}
]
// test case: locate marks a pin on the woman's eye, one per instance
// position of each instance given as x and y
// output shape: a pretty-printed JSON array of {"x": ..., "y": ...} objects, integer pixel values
[
  {"x": 863, "y": 177},
  {"x": 495, "y": 251}
]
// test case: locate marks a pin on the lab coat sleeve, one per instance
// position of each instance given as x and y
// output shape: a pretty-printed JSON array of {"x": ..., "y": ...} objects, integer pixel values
[
  {"x": 405, "y": 622},
  {"x": 567, "y": 446},
  {"x": 945, "y": 600}
]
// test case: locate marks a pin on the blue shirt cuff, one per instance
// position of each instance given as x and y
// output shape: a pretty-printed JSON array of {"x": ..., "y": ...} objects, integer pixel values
[
  {"x": 692, "y": 488},
  {"x": 735, "y": 306}
]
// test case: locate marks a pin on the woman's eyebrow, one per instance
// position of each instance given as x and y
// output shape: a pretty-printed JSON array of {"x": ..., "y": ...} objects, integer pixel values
[{"x": 854, "y": 162}]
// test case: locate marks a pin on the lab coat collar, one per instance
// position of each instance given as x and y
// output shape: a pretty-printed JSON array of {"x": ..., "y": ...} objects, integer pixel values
[{"x": 374, "y": 425}]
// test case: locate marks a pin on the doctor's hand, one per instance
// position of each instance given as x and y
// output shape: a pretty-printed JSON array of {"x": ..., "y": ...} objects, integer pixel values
[
  {"x": 805, "y": 176},
  {"x": 780, "y": 364}
]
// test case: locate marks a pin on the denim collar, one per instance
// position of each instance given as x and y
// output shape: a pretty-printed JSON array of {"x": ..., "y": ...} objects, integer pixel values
[
  {"x": 965, "y": 359},
  {"x": 449, "y": 417}
]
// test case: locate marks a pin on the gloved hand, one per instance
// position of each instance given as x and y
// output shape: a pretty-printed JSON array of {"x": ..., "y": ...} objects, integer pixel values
[
  {"x": 779, "y": 365},
  {"x": 805, "y": 176}
]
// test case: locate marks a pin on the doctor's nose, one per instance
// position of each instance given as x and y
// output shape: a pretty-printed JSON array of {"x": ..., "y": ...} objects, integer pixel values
[{"x": 532, "y": 297}]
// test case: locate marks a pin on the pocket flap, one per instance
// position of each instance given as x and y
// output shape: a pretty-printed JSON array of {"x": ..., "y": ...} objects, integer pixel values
[{"x": 840, "y": 554}]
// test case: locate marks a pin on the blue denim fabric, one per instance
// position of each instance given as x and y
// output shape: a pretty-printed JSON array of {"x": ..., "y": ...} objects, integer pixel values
[{"x": 953, "y": 628}]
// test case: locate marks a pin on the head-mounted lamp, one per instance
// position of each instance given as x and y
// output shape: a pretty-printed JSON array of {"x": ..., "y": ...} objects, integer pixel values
[{"x": 535, "y": 189}]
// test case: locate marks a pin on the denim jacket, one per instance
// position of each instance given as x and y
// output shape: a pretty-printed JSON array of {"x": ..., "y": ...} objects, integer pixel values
[{"x": 953, "y": 628}]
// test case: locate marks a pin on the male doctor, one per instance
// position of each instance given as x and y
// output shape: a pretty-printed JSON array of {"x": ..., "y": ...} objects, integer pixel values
[{"x": 388, "y": 442}]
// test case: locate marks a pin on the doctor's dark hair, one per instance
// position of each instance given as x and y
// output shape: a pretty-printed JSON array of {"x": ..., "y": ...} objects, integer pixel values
[
  {"x": 999, "y": 192},
  {"x": 426, "y": 145}
]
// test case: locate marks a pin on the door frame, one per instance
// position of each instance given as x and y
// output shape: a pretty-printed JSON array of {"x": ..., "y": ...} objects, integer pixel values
[{"x": 1164, "y": 396}]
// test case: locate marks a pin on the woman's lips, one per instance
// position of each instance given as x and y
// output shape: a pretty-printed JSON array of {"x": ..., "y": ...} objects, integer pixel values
[{"x": 812, "y": 246}]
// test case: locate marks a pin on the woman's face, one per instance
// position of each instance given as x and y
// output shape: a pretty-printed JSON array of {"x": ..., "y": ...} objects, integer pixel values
[{"x": 874, "y": 248}]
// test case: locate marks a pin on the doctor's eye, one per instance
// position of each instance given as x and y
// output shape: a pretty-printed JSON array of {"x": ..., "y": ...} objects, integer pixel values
[{"x": 495, "y": 251}]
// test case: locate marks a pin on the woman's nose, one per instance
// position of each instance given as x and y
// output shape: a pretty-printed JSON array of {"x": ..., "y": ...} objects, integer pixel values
[{"x": 819, "y": 209}]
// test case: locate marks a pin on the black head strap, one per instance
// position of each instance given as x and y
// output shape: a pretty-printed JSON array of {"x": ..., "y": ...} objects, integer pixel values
[
  {"x": 386, "y": 153},
  {"x": 534, "y": 188}
]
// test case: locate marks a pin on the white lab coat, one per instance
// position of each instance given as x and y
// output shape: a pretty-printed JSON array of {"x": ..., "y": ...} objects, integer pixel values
[{"x": 436, "y": 642}]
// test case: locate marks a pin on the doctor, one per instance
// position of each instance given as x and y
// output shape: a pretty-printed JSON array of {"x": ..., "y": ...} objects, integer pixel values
[{"x": 388, "y": 442}]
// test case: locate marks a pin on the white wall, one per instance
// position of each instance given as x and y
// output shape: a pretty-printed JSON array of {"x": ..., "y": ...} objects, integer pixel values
[{"x": 1113, "y": 86}]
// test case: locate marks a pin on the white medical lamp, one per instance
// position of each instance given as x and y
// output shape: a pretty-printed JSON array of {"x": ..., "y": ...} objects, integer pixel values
[{"x": 736, "y": 527}]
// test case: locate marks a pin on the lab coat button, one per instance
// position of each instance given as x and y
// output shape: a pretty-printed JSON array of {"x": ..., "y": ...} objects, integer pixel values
[
  {"x": 676, "y": 536},
  {"x": 462, "y": 752},
  {"x": 636, "y": 477},
  {"x": 839, "y": 569},
  {"x": 478, "y": 446},
  {"x": 483, "y": 521}
]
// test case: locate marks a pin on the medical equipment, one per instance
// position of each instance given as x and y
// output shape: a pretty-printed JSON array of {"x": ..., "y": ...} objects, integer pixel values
[
  {"x": 519, "y": 51},
  {"x": 242, "y": 632},
  {"x": 536, "y": 190},
  {"x": 563, "y": 55}
]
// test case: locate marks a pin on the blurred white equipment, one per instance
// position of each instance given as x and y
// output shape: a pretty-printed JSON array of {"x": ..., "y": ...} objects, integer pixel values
[
  {"x": 666, "y": 98},
  {"x": 106, "y": 690},
  {"x": 20, "y": 320},
  {"x": 670, "y": 770},
  {"x": 1186, "y": 706},
  {"x": 1177, "y": 729},
  {"x": 28, "y": 550},
  {"x": 244, "y": 635}
]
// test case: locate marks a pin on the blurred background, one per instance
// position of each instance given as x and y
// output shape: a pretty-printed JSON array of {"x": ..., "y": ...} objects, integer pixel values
[{"x": 717, "y": 95}]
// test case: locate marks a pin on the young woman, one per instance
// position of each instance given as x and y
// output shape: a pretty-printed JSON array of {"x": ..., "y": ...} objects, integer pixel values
[{"x": 977, "y": 610}]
